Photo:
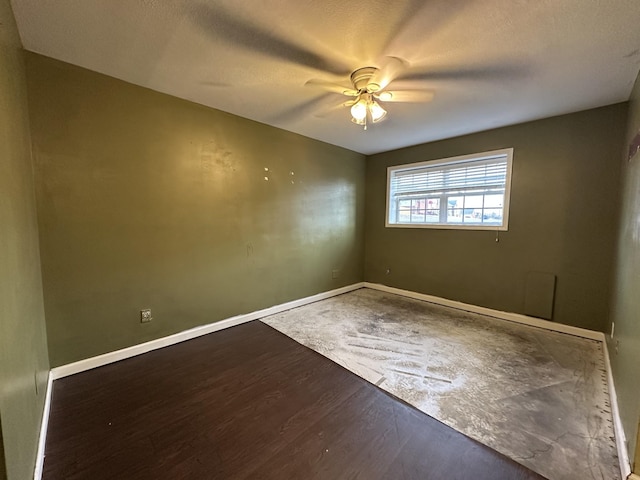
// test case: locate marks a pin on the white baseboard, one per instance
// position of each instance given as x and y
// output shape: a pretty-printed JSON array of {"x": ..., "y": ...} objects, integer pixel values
[
  {"x": 621, "y": 441},
  {"x": 107, "y": 358},
  {"x": 115, "y": 356},
  {"x": 37, "y": 474},
  {"x": 513, "y": 317}
]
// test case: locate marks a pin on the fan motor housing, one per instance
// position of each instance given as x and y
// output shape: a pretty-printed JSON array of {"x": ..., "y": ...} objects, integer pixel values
[{"x": 361, "y": 79}]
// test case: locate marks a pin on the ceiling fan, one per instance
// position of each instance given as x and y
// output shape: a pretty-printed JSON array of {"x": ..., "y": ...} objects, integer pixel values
[{"x": 368, "y": 89}]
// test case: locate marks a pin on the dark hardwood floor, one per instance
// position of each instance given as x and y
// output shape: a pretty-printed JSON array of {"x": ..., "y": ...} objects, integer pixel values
[{"x": 249, "y": 402}]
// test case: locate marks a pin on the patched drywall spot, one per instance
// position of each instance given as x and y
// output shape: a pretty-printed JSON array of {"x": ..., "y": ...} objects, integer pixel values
[{"x": 215, "y": 161}]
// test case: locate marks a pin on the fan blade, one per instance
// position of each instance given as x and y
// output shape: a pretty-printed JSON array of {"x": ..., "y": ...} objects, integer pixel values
[
  {"x": 489, "y": 72},
  {"x": 214, "y": 84},
  {"x": 224, "y": 26},
  {"x": 406, "y": 96},
  {"x": 398, "y": 19},
  {"x": 302, "y": 109},
  {"x": 332, "y": 87},
  {"x": 391, "y": 68},
  {"x": 330, "y": 110}
]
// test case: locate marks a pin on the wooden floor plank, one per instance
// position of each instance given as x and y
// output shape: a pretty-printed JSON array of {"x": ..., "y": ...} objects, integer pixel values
[{"x": 248, "y": 402}]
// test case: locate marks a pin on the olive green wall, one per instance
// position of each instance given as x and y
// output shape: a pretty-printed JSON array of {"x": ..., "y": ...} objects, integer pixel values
[
  {"x": 23, "y": 348},
  {"x": 149, "y": 201},
  {"x": 3, "y": 467},
  {"x": 625, "y": 359},
  {"x": 562, "y": 220}
]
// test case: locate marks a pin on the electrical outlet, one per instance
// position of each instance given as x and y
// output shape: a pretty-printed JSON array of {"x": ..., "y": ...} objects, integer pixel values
[
  {"x": 145, "y": 315},
  {"x": 335, "y": 274},
  {"x": 617, "y": 346}
]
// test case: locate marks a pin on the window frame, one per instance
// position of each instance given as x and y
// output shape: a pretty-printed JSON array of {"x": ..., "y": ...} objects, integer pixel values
[{"x": 482, "y": 156}]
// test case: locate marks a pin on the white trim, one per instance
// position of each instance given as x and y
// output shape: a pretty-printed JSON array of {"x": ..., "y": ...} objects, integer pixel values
[
  {"x": 37, "y": 474},
  {"x": 115, "y": 356},
  {"x": 513, "y": 317},
  {"x": 621, "y": 443},
  {"x": 105, "y": 359}
]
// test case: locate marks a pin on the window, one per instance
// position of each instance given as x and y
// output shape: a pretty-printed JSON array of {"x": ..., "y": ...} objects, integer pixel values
[{"x": 467, "y": 192}]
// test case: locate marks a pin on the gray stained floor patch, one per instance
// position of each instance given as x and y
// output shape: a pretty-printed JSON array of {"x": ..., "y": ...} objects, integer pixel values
[{"x": 537, "y": 396}]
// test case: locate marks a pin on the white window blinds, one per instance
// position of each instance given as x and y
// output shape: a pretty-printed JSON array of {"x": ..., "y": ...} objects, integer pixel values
[
  {"x": 467, "y": 176},
  {"x": 470, "y": 191}
]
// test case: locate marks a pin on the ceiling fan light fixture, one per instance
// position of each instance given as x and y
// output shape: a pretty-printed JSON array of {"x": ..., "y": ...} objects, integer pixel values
[
  {"x": 359, "y": 111},
  {"x": 377, "y": 112},
  {"x": 369, "y": 95}
]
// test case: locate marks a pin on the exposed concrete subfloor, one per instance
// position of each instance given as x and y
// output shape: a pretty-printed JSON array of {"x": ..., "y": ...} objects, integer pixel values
[{"x": 537, "y": 396}]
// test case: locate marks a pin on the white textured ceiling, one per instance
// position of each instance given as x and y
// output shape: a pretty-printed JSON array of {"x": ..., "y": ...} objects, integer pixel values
[{"x": 490, "y": 63}]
